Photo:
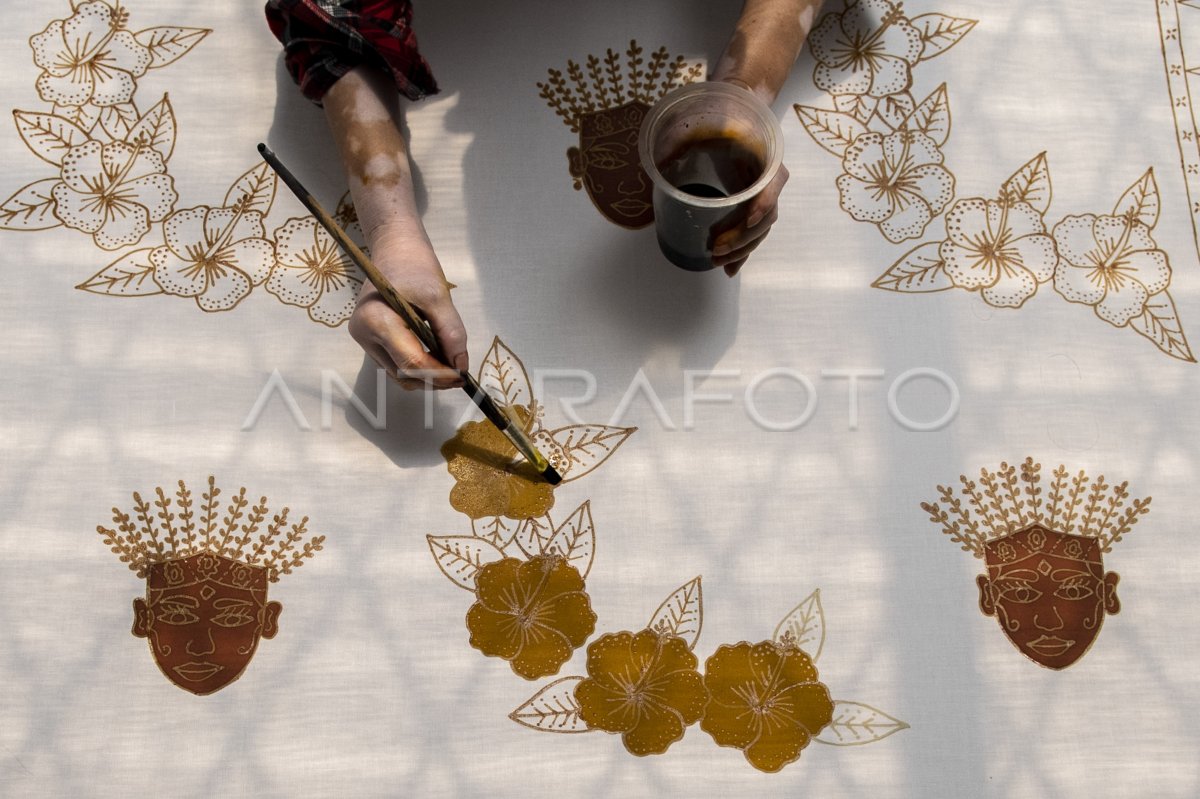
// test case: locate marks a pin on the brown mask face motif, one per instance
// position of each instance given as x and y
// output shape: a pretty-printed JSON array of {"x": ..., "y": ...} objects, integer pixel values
[
  {"x": 203, "y": 616},
  {"x": 1049, "y": 591},
  {"x": 607, "y": 164}
]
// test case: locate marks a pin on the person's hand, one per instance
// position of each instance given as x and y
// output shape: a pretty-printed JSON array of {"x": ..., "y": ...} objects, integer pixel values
[
  {"x": 732, "y": 247},
  {"x": 407, "y": 259}
]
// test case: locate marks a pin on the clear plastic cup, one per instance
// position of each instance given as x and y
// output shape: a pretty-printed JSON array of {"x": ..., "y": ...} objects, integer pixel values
[{"x": 709, "y": 148}]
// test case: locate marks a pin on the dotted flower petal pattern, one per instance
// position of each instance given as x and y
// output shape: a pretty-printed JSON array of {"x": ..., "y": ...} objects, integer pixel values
[
  {"x": 644, "y": 686},
  {"x": 869, "y": 49},
  {"x": 999, "y": 248},
  {"x": 215, "y": 255},
  {"x": 88, "y": 58},
  {"x": 1111, "y": 263},
  {"x": 312, "y": 272},
  {"x": 490, "y": 477},
  {"x": 531, "y": 613},
  {"x": 766, "y": 701},
  {"x": 896, "y": 181}
]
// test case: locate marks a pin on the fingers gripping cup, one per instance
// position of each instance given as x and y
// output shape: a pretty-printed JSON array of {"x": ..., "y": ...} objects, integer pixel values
[{"x": 710, "y": 149}]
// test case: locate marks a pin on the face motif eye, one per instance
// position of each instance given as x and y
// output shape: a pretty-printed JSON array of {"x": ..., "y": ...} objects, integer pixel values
[
  {"x": 608, "y": 156},
  {"x": 233, "y": 613},
  {"x": 1018, "y": 591},
  {"x": 177, "y": 610},
  {"x": 1074, "y": 586}
]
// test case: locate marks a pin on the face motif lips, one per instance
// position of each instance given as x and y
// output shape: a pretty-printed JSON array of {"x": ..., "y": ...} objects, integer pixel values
[
  {"x": 197, "y": 672},
  {"x": 1050, "y": 646},
  {"x": 630, "y": 207}
]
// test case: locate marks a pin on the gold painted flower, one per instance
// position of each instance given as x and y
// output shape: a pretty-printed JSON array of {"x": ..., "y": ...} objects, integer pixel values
[
  {"x": 869, "y": 49},
  {"x": 999, "y": 248},
  {"x": 491, "y": 477},
  {"x": 895, "y": 181},
  {"x": 312, "y": 272},
  {"x": 214, "y": 255},
  {"x": 765, "y": 700},
  {"x": 113, "y": 191},
  {"x": 1111, "y": 263},
  {"x": 644, "y": 686},
  {"x": 89, "y": 58},
  {"x": 531, "y": 613}
]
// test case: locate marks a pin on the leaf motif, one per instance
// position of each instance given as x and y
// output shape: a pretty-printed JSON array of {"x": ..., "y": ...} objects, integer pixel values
[
  {"x": 804, "y": 626},
  {"x": 895, "y": 108},
  {"x": 1140, "y": 201},
  {"x": 255, "y": 189},
  {"x": 920, "y": 271},
  {"x": 168, "y": 44},
  {"x": 833, "y": 130},
  {"x": 859, "y": 106},
  {"x": 932, "y": 116},
  {"x": 156, "y": 129},
  {"x": 682, "y": 613},
  {"x": 575, "y": 539},
  {"x": 1160, "y": 323},
  {"x": 553, "y": 709},
  {"x": 586, "y": 446},
  {"x": 533, "y": 535},
  {"x": 460, "y": 557},
  {"x": 31, "y": 207},
  {"x": 503, "y": 376},
  {"x": 496, "y": 530},
  {"x": 855, "y": 724},
  {"x": 85, "y": 116},
  {"x": 940, "y": 32},
  {"x": 131, "y": 275},
  {"x": 1031, "y": 184},
  {"x": 49, "y": 136},
  {"x": 116, "y": 120}
]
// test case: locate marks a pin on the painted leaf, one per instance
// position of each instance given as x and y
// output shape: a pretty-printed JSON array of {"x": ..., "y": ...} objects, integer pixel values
[
  {"x": 1140, "y": 200},
  {"x": 859, "y": 106},
  {"x": 1031, "y": 184},
  {"x": 586, "y": 446},
  {"x": 1160, "y": 323},
  {"x": 117, "y": 120},
  {"x": 255, "y": 189},
  {"x": 682, "y": 613},
  {"x": 920, "y": 271},
  {"x": 932, "y": 116},
  {"x": 575, "y": 539},
  {"x": 156, "y": 129},
  {"x": 553, "y": 709},
  {"x": 47, "y": 135},
  {"x": 855, "y": 724},
  {"x": 503, "y": 376},
  {"x": 131, "y": 275},
  {"x": 31, "y": 208},
  {"x": 895, "y": 108},
  {"x": 460, "y": 557},
  {"x": 833, "y": 130},
  {"x": 168, "y": 44},
  {"x": 805, "y": 626},
  {"x": 533, "y": 535},
  {"x": 940, "y": 32},
  {"x": 496, "y": 530}
]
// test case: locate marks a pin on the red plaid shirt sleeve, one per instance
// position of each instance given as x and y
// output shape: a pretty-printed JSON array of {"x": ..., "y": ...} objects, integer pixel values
[{"x": 325, "y": 39}]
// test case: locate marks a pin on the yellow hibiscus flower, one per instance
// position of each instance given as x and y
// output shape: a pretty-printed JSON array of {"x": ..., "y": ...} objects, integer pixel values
[{"x": 491, "y": 477}]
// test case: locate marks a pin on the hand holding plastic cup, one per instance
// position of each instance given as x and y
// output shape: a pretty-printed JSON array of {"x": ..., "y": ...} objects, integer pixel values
[{"x": 710, "y": 149}]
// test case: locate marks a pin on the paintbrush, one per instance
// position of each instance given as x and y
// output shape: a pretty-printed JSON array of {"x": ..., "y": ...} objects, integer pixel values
[{"x": 496, "y": 414}]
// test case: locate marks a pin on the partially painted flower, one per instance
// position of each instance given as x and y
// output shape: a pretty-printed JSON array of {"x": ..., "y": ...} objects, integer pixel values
[
  {"x": 312, "y": 272},
  {"x": 113, "y": 191},
  {"x": 490, "y": 477},
  {"x": 766, "y": 701},
  {"x": 998, "y": 248},
  {"x": 1110, "y": 263},
  {"x": 896, "y": 181},
  {"x": 869, "y": 48},
  {"x": 532, "y": 613},
  {"x": 88, "y": 58},
  {"x": 644, "y": 686},
  {"x": 215, "y": 255}
]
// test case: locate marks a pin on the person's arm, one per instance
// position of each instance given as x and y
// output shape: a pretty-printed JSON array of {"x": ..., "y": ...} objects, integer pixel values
[{"x": 765, "y": 44}]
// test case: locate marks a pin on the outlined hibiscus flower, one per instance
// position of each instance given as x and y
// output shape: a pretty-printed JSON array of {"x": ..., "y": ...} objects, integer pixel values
[
  {"x": 113, "y": 191},
  {"x": 896, "y": 181},
  {"x": 215, "y": 255},
  {"x": 870, "y": 48},
  {"x": 89, "y": 57},
  {"x": 999, "y": 248},
  {"x": 312, "y": 272}
]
